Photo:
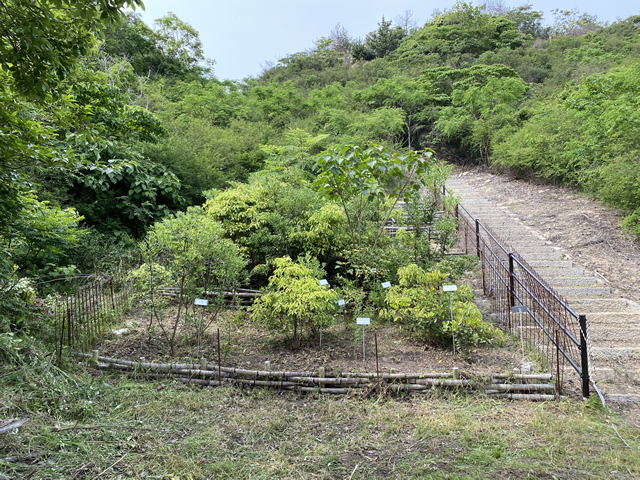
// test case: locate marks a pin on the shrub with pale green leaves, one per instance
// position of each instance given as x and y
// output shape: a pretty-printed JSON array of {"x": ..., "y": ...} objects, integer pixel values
[
  {"x": 419, "y": 304},
  {"x": 294, "y": 300}
]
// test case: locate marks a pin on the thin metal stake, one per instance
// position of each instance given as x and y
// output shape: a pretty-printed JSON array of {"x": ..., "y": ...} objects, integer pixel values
[
  {"x": 584, "y": 355},
  {"x": 363, "y": 355},
  {"x": 453, "y": 330},
  {"x": 558, "y": 384},
  {"x": 375, "y": 337},
  {"x": 219, "y": 367},
  {"x": 521, "y": 336}
]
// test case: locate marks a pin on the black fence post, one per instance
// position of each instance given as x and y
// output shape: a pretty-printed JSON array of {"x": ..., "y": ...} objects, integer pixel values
[
  {"x": 584, "y": 355},
  {"x": 512, "y": 282},
  {"x": 478, "y": 237}
]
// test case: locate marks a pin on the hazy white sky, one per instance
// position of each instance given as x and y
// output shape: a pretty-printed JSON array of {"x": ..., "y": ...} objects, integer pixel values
[{"x": 242, "y": 35}]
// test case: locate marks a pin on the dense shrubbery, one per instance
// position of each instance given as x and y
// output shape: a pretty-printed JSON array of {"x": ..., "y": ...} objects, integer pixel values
[
  {"x": 128, "y": 133},
  {"x": 294, "y": 300},
  {"x": 419, "y": 304}
]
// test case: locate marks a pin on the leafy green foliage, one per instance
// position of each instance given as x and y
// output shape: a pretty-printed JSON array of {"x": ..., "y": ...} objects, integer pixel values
[
  {"x": 357, "y": 178},
  {"x": 588, "y": 140},
  {"x": 180, "y": 41},
  {"x": 294, "y": 300},
  {"x": 419, "y": 303},
  {"x": 460, "y": 35},
  {"x": 267, "y": 218},
  {"x": 41, "y": 41},
  {"x": 379, "y": 43},
  {"x": 191, "y": 247}
]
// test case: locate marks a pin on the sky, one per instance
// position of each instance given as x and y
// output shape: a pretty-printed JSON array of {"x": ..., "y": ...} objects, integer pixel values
[{"x": 243, "y": 36}]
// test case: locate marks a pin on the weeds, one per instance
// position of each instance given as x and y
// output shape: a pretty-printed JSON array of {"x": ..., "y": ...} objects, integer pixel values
[{"x": 120, "y": 428}]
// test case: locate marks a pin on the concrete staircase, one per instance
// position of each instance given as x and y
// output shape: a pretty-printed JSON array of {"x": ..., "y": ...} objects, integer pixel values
[{"x": 613, "y": 323}]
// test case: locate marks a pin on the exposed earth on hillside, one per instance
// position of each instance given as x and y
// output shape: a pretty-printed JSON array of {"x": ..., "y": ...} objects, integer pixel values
[{"x": 588, "y": 232}]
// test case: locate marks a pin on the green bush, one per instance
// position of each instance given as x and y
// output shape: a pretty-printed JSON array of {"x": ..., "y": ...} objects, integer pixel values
[
  {"x": 419, "y": 303},
  {"x": 294, "y": 300}
]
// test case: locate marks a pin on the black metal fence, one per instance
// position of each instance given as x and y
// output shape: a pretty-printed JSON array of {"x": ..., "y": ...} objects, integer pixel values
[
  {"x": 83, "y": 318},
  {"x": 526, "y": 305}
]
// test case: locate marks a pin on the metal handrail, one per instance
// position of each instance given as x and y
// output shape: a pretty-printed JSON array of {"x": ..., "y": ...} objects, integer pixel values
[{"x": 583, "y": 372}]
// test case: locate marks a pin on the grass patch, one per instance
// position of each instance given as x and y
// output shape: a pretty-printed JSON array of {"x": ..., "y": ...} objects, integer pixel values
[{"x": 118, "y": 427}]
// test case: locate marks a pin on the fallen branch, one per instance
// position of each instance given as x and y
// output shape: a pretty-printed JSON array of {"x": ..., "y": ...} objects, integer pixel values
[
  {"x": 20, "y": 458},
  {"x": 12, "y": 424}
]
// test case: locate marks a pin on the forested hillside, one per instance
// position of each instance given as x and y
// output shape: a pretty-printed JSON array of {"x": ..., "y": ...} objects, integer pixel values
[{"x": 108, "y": 125}]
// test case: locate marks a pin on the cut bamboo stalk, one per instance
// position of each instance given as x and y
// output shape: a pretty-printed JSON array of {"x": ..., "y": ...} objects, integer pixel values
[
  {"x": 445, "y": 382},
  {"x": 399, "y": 376},
  {"x": 526, "y": 396},
  {"x": 529, "y": 376},
  {"x": 330, "y": 380},
  {"x": 323, "y": 390},
  {"x": 535, "y": 387},
  {"x": 407, "y": 386}
]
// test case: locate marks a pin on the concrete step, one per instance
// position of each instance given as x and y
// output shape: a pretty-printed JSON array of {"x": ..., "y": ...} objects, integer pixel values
[
  {"x": 571, "y": 281},
  {"x": 549, "y": 273},
  {"x": 605, "y": 356},
  {"x": 533, "y": 257},
  {"x": 507, "y": 235},
  {"x": 582, "y": 291},
  {"x": 608, "y": 336},
  {"x": 618, "y": 375},
  {"x": 528, "y": 243},
  {"x": 551, "y": 263},
  {"x": 614, "y": 319},
  {"x": 592, "y": 306}
]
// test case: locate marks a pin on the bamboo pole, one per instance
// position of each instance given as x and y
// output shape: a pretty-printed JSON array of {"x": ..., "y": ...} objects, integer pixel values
[
  {"x": 343, "y": 384},
  {"x": 519, "y": 376},
  {"x": 533, "y": 387},
  {"x": 525, "y": 396}
]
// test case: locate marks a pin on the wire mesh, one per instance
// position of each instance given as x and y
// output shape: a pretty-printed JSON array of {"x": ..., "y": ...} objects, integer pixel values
[{"x": 549, "y": 328}]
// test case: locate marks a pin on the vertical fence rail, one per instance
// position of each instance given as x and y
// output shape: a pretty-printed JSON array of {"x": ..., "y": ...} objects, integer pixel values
[
  {"x": 83, "y": 318},
  {"x": 549, "y": 327}
]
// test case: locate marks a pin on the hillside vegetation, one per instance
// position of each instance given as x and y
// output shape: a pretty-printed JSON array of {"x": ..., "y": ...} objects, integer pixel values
[
  {"x": 112, "y": 125},
  {"x": 122, "y": 154}
]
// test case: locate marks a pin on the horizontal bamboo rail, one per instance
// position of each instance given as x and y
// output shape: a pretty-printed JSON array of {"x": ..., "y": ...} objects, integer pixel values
[{"x": 500, "y": 385}]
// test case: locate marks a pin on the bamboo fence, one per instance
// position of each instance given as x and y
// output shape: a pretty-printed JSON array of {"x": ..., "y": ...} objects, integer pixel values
[
  {"x": 500, "y": 385},
  {"x": 83, "y": 318}
]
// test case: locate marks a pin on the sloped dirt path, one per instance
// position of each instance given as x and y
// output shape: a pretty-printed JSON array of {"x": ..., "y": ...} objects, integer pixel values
[{"x": 589, "y": 244}]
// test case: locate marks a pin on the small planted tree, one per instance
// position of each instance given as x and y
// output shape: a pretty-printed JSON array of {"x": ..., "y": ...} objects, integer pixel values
[
  {"x": 294, "y": 300},
  {"x": 429, "y": 213},
  {"x": 199, "y": 261}
]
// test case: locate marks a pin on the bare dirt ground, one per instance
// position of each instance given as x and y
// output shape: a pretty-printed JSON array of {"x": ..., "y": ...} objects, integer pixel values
[
  {"x": 246, "y": 345},
  {"x": 585, "y": 229}
]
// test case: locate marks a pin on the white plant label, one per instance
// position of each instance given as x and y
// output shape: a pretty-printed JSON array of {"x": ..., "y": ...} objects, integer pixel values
[
  {"x": 324, "y": 282},
  {"x": 363, "y": 320},
  {"x": 386, "y": 284},
  {"x": 449, "y": 288},
  {"x": 519, "y": 309},
  {"x": 341, "y": 302},
  {"x": 201, "y": 301}
]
